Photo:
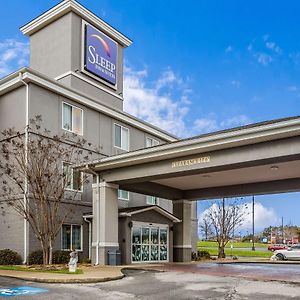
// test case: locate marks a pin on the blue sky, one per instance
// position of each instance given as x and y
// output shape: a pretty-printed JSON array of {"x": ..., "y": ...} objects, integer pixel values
[{"x": 199, "y": 66}]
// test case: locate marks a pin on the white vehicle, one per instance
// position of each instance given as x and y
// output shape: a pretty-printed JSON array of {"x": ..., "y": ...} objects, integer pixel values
[{"x": 292, "y": 253}]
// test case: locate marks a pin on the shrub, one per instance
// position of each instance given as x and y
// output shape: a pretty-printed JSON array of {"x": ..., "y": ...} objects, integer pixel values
[
  {"x": 203, "y": 254},
  {"x": 61, "y": 257},
  {"x": 35, "y": 257},
  {"x": 9, "y": 257},
  {"x": 194, "y": 256},
  {"x": 86, "y": 260}
]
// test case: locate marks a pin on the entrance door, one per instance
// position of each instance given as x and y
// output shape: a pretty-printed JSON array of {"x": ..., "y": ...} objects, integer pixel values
[{"x": 149, "y": 243}]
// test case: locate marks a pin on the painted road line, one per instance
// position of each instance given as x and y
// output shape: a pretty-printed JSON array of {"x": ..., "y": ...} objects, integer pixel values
[{"x": 21, "y": 290}]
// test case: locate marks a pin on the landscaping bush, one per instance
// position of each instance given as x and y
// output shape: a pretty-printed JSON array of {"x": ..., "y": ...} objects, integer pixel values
[
  {"x": 86, "y": 260},
  {"x": 203, "y": 254},
  {"x": 35, "y": 257},
  {"x": 61, "y": 257},
  {"x": 9, "y": 257}
]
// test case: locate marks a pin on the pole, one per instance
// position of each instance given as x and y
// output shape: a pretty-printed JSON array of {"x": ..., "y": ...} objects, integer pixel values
[
  {"x": 253, "y": 245},
  {"x": 282, "y": 229}
]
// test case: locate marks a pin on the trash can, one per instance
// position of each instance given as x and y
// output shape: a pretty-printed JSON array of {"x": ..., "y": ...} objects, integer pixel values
[
  {"x": 118, "y": 257},
  {"x": 114, "y": 258},
  {"x": 111, "y": 258}
]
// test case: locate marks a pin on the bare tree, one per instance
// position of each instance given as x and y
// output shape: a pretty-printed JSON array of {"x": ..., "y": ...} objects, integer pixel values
[
  {"x": 206, "y": 228},
  {"x": 34, "y": 179},
  {"x": 224, "y": 219}
]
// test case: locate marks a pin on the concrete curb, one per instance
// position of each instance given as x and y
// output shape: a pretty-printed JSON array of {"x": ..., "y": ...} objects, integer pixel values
[
  {"x": 66, "y": 280},
  {"x": 88, "y": 277}
]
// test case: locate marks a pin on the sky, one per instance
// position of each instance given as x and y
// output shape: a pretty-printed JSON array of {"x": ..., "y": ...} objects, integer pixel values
[{"x": 195, "y": 67}]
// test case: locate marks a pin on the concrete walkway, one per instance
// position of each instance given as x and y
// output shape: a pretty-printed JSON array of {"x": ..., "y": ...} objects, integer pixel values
[{"x": 90, "y": 275}]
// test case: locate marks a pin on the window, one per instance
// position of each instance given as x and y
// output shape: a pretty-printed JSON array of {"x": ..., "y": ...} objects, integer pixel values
[
  {"x": 71, "y": 237},
  {"x": 152, "y": 200},
  {"x": 72, "y": 177},
  {"x": 123, "y": 195},
  {"x": 121, "y": 137},
  {"x": 72, "y": 118},
  {"x": 150, "y": 142}
]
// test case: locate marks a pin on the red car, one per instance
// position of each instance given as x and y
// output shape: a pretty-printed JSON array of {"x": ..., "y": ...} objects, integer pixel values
[{"x": 277, "y": 247}]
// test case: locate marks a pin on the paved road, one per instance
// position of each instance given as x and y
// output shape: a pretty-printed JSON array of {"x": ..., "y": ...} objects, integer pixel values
[
  {"x": 164, "y": 285},
  {"x": 281, "y": 272}
]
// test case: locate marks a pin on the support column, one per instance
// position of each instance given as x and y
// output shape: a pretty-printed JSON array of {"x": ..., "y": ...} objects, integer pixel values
[
  {"x": 182, "y": 234},
  {"x": 105, "y": 221}
]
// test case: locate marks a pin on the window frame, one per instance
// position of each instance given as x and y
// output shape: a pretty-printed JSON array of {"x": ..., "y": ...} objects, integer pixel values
[
  {"x": 114, "y": 136},
  {"x": 147, "y": 202},
  {"x": 72, "y": 182},
  {"x": 81, "y": 237},
  {"x": 62, "y": 120},
  {"x": 121, "y": 198},
  {"x": 152, "y": 140}
]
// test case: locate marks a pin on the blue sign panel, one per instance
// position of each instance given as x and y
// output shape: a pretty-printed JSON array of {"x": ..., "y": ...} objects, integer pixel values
[
  {"x": 100, "y": 55},
  {"x": 21, "y": 290}
]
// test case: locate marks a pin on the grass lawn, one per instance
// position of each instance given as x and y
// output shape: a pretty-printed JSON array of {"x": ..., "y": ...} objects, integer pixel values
[
  {"x": 235, "y": 244},
  {"x": 26, "y": 269},
  {"x": 238, "y": 253}
]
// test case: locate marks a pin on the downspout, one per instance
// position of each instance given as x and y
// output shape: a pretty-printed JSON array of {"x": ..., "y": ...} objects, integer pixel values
[
  {"x": 97, "y": 212},
  {"x": 98, "y": 221},
  {"x": 25, "y": 254},
  {"x": 90, "y": 235}
]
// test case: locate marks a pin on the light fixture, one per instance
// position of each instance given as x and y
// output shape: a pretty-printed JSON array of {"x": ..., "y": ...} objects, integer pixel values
[{"x": 274, "y": 168}]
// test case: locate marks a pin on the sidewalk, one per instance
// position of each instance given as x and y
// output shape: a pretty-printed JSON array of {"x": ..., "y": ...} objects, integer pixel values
[{"x": 90, "y": 275}]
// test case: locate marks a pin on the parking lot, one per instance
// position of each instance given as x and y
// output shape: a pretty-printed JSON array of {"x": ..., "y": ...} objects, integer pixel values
[{"x": 211, "y": 281}]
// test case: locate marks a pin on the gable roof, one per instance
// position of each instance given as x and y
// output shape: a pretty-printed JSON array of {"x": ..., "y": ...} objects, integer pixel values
[{"x": 130, "y": 211}]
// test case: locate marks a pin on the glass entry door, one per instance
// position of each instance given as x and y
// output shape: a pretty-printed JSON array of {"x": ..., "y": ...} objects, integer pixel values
[{"x": 149, "y": 244}]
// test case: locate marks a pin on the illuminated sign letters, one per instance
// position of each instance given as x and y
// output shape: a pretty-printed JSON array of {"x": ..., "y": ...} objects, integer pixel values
[
  {"x": 100, "y": 56},
  {"x": 191, "y": 162}
]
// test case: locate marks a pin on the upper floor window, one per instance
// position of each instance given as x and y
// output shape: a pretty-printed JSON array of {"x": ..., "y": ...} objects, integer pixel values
[
  {"x": 72, "y": 177},
  {"x": 151, "y": 200},
  {"x": 150, "y": 142},
  {"x": 121, "y": 137},
  {"x": 72, "y": 119},
  {"x": 123, "y": 195}
]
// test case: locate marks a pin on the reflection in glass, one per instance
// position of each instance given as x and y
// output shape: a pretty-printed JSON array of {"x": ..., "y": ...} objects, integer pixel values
[
  {"x": 154, "y": 252},
  {"x": 136, "y": 252},
  {"x": 145, "y": 252},
  {"x": 136, "y": 235},
  {"x": 154, "y": 235},
  {"x": 145, "y": 235}
]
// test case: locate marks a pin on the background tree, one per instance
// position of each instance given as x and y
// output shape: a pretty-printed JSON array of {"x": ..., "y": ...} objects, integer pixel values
[
  {"x": 206, "y": 228},
  {"x": 33, "y": 180},
  {"x": 224, "y": 219}
]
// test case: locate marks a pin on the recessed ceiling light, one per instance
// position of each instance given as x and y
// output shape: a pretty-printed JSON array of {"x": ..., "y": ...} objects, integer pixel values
[{"x": 274, "y": 168}]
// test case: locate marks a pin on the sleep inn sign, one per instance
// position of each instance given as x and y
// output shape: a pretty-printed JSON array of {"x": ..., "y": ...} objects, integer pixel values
[{"x": 100, "y": 54}]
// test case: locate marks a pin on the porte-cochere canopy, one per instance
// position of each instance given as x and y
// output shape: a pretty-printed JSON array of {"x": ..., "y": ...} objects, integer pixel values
[{"x": 254, "y": 159}]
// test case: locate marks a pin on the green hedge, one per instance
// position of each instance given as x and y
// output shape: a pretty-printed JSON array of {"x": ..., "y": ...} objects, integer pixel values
[
  {"x": 59, "y": 257},
  {"x": 9, "y": 257}
]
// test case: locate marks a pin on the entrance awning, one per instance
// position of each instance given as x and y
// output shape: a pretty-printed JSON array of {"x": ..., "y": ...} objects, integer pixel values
[{"x": 255, "y": 159}]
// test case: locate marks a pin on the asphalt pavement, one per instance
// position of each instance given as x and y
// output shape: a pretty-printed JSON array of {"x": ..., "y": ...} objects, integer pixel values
[{"x": 140, "y": 284}]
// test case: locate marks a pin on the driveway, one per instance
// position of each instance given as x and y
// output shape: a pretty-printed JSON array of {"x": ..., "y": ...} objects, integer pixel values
[
  {"x": 257, "y": 271},
  {"x": 139, "y": 284}
]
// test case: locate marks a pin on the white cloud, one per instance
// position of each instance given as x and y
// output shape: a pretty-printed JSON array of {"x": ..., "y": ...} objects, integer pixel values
[
  {"x": 292, "y": 88},
  {"x": 210, "y": 123},
  {"x": 205, "y": 125},
  {"x": 263, "y": 216},
  {"x": 157, "y": 103},
  {"x": 235, "y": 83},
  {"x": 229, "y": 49},
  {"x": 264, "y": 59},
  {"x": 13, "y": 55}
]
